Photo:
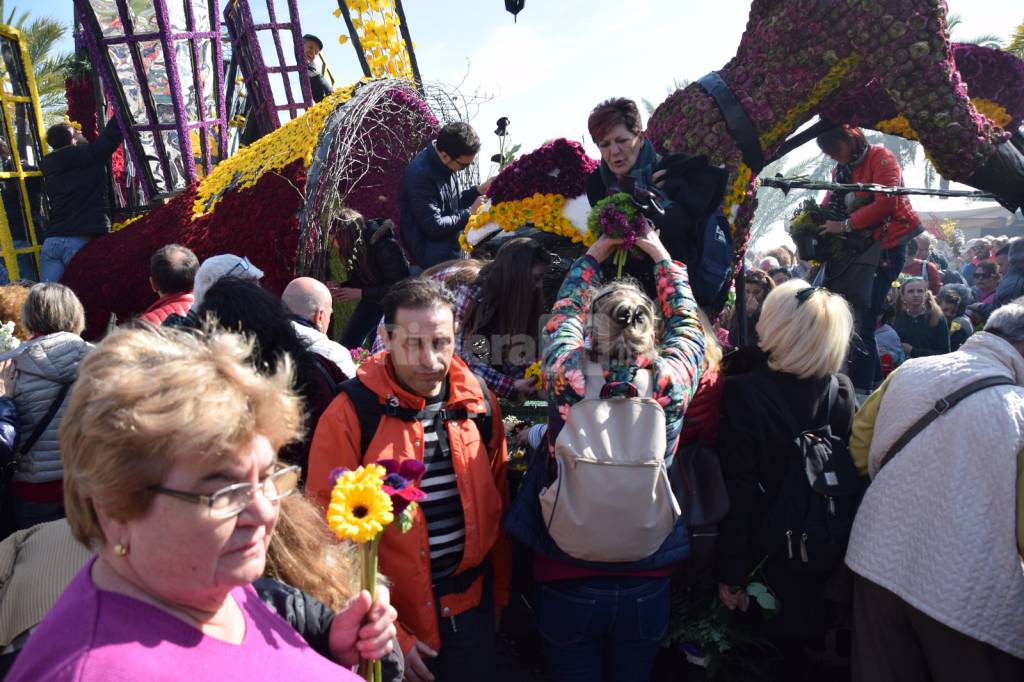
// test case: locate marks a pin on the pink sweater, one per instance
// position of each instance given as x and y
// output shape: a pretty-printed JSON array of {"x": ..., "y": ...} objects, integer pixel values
[{"x": 92, "y": 635}]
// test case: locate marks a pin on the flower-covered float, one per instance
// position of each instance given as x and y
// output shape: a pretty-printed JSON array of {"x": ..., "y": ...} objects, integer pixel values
[
  {"x": 884, "y": 64},
  {"x": 545, "y": 189},
  {"x": 912, "y": 83},
  {"x": 272, "y": 201}
]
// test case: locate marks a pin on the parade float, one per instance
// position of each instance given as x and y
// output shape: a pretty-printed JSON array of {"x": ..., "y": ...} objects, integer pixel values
[
  {"x": 888, "y": 66},
  {"x": 161, "y": 69}
]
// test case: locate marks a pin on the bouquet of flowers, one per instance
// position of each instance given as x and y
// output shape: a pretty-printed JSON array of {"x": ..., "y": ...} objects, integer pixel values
[
  {"x": 359, "y": 355},
  {"x": 363, "y": 503},
  {"x": 533, "y": 372},
  {"x": 618, "y": 217},
  {"x": 8, "y": 341}
]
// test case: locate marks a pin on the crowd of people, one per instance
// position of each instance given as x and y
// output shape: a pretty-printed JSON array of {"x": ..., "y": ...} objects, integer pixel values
[{"x": 165, "y": 489}]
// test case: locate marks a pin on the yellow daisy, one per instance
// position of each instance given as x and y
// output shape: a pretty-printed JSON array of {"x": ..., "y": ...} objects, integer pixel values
[{"x": 359, "y": 508}]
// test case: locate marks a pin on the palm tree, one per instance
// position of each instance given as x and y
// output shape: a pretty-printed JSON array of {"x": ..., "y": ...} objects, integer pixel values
[
  {"x": 1016, "y": 46},
  {"x": 41, "y": 38}
]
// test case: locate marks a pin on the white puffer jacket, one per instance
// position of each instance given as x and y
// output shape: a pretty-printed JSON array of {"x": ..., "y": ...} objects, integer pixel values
[
  {"x": 43, "y": 366},
  {"x": 936, "y": 526}
]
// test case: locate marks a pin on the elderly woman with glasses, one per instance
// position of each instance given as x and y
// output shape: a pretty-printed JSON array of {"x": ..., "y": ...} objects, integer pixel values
[{"x": 170, "y": 447}]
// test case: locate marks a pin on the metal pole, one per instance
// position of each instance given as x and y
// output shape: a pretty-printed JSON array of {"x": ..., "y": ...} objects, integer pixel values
[
  {"x": 403, "y": 26},
  {"x": 355, "y": 38}
]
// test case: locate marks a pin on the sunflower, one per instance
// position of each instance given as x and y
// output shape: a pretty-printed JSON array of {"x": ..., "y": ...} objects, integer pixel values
[{"x": 359, "y": 509}]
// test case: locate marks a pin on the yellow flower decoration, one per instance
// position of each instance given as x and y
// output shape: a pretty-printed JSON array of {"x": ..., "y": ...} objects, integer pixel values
[
  {"x": 359, "y": 508},
  {"x": 74, "y": 124},
  {"x": 125, "y": 223},
  {"x": 738, "y": 191},
  {"x": 533, "y": 372},
  {"x": 294, "y": 141},
  {"x": 901, "y": 126},
  {"x": 544, "y": 211},
  {"x": 832, "y": 80},
  {"x": 377, "y": 27},
  {"x": 954, "y": 328}
]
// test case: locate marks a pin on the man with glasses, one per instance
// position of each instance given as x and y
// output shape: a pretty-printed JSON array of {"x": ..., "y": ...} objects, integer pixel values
[{"x": 434, "y": 207}]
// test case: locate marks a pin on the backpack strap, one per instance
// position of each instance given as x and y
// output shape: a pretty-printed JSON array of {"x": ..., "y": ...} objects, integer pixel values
[
  {"x": 332, "y": 385},
  {"x": 369, "y": 409},
  {"x": 940, "y": 408},
  {"x": 40, "y": 429}
]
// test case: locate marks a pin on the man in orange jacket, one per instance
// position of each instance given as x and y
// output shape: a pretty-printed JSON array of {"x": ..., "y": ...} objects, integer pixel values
[{"x": 450, "y": 572}]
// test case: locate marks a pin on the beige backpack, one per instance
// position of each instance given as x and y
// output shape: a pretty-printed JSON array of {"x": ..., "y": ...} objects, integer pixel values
[{"x": 611, "y": 500}]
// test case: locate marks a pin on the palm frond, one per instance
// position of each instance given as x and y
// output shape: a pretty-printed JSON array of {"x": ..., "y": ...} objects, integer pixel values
[
  {"x": 1016, "y": 45},
  {"x": 989, "y": 40}
]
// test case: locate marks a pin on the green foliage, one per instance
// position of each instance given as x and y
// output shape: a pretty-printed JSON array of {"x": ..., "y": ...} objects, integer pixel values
[
  {"x": 1016, "y": 45},
  {"x": 42, "y": 35},
  {"x": 730, "y": 650}
]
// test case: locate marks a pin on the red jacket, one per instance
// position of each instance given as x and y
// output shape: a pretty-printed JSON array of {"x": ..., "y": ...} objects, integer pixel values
[
  {"x": 927, "y": 271},
  {"x": 479, "y": 473},
  {"x": 880, "y": 167},
  {"x": 171, "y": 303}
]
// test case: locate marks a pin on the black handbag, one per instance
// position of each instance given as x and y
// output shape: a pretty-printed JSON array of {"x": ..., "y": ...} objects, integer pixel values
[{"x": 851, "y": 274}]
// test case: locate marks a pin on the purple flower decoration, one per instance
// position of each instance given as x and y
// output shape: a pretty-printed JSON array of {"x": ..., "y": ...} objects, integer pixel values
[{"x": 401, "y": 482}]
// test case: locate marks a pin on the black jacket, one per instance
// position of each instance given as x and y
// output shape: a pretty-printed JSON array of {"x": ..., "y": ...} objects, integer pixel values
[
  {"x": 759, "y": 409},
  {"x": 317, "y": 83},
  {"x": 433, "y": 209},
  {"x": 312, "y": 619},
  {"x": 76, "y": 185},
  {"x": 385, "y": 263},
  {"x": 923, "y": 339}
]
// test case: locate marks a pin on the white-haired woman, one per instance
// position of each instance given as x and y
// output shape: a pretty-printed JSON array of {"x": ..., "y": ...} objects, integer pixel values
[
  {"x": 604, "y": 621},
  {"x": 804, "y": 336},
  {"x": 170, "y": 450}
]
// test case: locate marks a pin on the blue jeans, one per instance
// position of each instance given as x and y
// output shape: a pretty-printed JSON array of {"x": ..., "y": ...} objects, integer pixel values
[
  {"x": 865, "y": 367},
  {"x": 55, "y": 255},
  {"x": 603, "y": 629}
]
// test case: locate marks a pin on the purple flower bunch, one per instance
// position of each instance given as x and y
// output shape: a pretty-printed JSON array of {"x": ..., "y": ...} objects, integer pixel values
[
  {"x": 558, "y": 167},
  {"x": 619, "y": 218}
]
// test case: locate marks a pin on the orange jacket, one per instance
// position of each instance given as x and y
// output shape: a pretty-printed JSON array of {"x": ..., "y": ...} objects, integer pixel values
[
  {"x": 881, "y": 167},
  {"x": 480, "y": 475}
]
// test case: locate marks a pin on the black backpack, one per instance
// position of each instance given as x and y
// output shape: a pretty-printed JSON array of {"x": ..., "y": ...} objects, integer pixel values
[
  {"x": 369, "y": 410},
  {"x": 808, "y": 518}
]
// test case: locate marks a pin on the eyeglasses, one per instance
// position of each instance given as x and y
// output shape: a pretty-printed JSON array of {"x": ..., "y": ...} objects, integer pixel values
[
  {"x": 462, "y": 166},
  {"x": 949, "y": 299},
  {"x": 230, "y": 501},
  {"x": 983, "y": 275},
  {"x": 804, "y": 294},
  {"x": 244, "y": 264}
]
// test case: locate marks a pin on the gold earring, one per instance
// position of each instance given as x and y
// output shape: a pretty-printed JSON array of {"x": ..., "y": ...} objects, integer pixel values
[{"x": 120, "y": 550}]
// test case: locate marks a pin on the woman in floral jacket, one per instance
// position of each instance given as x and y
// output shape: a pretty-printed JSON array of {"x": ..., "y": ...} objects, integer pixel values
[{"x": 605, "y": 621}]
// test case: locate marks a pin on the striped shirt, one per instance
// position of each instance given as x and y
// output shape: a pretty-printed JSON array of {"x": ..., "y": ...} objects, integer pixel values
[{"x": 446, "y": 525}]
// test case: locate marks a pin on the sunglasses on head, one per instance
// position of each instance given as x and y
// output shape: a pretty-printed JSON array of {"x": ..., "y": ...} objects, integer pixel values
[{"x": 804, "y": 294}]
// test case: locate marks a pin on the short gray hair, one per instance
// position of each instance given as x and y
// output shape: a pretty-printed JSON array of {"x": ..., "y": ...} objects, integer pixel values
[
  {"x": 1008, "y": 322},
  {"x": 1015, "y": 256},
  {"x": 51, "y": 308}
]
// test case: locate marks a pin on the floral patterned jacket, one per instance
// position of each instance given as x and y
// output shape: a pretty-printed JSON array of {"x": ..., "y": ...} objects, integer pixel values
[{"x": 676, "y": 370}]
